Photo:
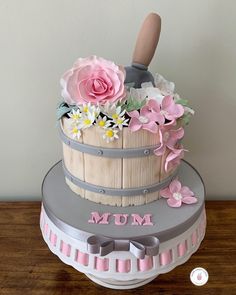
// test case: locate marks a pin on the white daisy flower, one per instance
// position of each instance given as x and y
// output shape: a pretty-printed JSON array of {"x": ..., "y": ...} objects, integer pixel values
[
  {"x": 103, "y": 122},
  {"x": 86, "y": 120},
  {"x": 88, "y": 108},
  {"x": 120, "y": 122},
  {"x": 108, "y": 109},
  {"x": 75, "y": 115},
  {"x": 112, "y": 111},
  {"x": 85, "y": 108},
  {"x": 76, "y": 133},
  {"x": 96, "y": 110},
  {"x": 110, "y": 134},
  {"x": 117, "y": 113}
]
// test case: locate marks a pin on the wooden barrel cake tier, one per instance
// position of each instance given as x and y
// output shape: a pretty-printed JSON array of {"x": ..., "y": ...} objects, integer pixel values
[{"x": 124, "y": 172}]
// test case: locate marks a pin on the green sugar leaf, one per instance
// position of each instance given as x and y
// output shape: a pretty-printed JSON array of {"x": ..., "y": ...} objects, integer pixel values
[{"x": 182, "y": 101}]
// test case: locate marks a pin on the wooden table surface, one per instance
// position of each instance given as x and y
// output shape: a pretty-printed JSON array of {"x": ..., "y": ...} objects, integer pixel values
[{"x": 28, "y": 267}]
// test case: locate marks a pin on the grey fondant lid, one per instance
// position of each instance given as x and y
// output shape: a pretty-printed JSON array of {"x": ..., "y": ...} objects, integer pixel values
[{"x": 71, "y": 213}]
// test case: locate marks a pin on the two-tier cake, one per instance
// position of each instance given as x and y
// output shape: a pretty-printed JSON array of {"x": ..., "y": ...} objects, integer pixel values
[{"x": 122, "y": 207}]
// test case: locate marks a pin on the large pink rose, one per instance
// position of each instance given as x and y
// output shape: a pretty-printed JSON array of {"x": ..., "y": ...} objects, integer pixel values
[{"x": 93, "y": 79}]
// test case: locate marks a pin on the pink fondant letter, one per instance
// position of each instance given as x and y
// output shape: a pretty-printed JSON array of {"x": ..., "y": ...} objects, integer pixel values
[
  {"x": 118, "y": 218},
  {"x": 138, "y": 220},
  {"x": 96, "y": 218}
]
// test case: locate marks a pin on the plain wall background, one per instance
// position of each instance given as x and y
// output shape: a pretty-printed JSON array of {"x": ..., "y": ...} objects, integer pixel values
[{"x": 40, "y": 40}]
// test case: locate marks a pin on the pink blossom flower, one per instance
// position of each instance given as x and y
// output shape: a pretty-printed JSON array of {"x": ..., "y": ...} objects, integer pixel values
[
  {"x": 154, "y": 110},
  {"x": 168, "y": 109},
  {"x": 173, "y": 159},
  {"x": 93, "y": 79},
  {"x": 168, "y": 139},
  {"x": 142, "y": 120},
  {"x": 177, "y": 194}
]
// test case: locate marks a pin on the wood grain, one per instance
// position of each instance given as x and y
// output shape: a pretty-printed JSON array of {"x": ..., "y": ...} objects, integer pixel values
[
  {"x": 123, "y": 173},
  {"x": 28, "y": 267},
  {"x": 73, "y": 159},
  {"x": 102, "y": 171},
  {"x": 140, "y": 171}
]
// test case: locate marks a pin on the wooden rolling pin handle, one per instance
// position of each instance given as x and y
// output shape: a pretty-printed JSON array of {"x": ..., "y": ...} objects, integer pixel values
[{"x": 147, "y": 40}]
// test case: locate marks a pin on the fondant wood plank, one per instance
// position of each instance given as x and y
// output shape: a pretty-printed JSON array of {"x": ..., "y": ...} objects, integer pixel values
[
  {"x": 140, "y": 171},
  {"x": 73, "y": 159},
  {"x": 102, "y": 171}
]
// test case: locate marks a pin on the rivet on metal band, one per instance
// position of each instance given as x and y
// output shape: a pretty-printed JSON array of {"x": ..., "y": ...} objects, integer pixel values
[
  {"x": 107, "y": 152},
  {"x": 124, "y": 192},
  {"x": 146, "y": 152}
]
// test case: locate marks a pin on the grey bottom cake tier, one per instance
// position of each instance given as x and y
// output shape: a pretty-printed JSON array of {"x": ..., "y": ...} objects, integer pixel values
[{"x": 121, "y": 247}]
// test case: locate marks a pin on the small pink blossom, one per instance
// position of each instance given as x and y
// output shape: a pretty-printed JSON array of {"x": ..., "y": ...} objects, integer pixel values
[
  {"x": 177, "y": 194},
  {"x": 143, "y": 120},
  {"x": 168, "y": 139},
  {"x": 154, "y": 110},
  {"x": 173, "y": 159},
  {"x": 168, "y": 109}
]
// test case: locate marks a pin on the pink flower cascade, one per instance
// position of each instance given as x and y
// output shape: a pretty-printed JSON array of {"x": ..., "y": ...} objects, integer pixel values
[
  {"x": 143, "y": 120},
  {"x": 177, "y": 194},
  {"x": 169, "y": 139},
  {"x": 173, "y": 159},
  {"x": 153, "y": 113},
  {"x": 93, "y": 80},
  {"x": 168, "y": 109}
]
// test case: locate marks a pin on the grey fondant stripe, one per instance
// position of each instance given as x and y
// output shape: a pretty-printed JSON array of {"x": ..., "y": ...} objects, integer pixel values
[
  {"x": 127, "y": 192},
  {"x": 107, "y": 152}
]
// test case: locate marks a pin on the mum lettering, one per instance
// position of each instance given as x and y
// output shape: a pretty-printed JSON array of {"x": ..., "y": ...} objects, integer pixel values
[{"x": 120, "y": 219}]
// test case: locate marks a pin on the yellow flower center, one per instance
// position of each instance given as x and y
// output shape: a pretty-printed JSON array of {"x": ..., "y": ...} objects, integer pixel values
[
  {"x": 75, "y": 130},
  {"x": 119, "y": 121},
  {"x": 75, "y": 116},
  {"x": 101, "y": 123},
  {"x": 114, "y": 116},
  {"x": 109, "y": 133},
  {"x": 85, "y": 109},
  {"x": 87, "y": 122}
]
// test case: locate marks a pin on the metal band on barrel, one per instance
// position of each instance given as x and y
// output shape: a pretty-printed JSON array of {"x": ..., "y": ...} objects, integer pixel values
[
  {"x": 107, "y": 152},
  {"x": 126, "y": 192}
]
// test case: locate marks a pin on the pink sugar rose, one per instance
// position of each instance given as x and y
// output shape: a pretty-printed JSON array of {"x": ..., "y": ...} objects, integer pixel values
[
  {"x": 93, "y": 79},
  {"x": 177, "y": 194},
  {"x": 168, "y": 139}
]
